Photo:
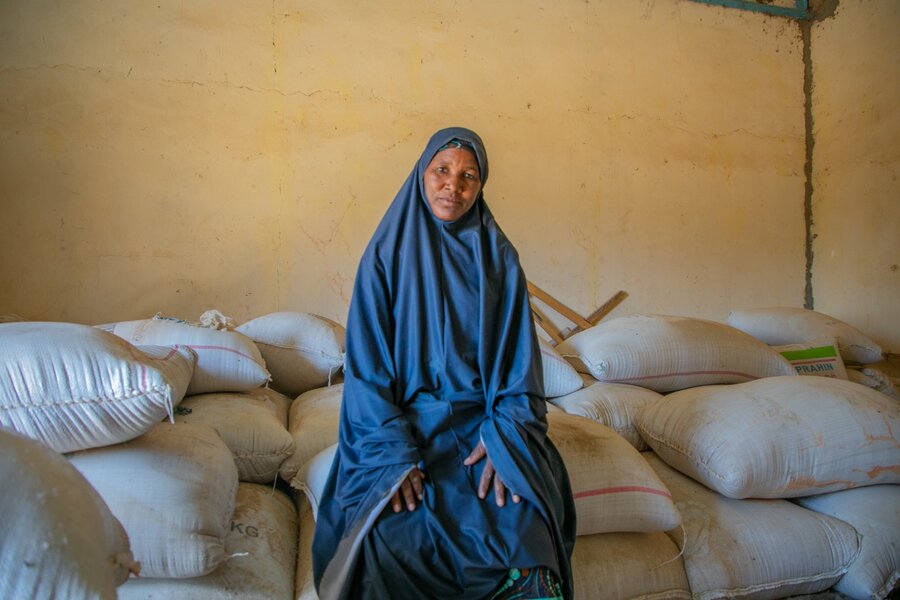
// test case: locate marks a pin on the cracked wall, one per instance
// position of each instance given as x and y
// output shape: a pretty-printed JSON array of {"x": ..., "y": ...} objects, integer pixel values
[{"x": 174, "y": 157}]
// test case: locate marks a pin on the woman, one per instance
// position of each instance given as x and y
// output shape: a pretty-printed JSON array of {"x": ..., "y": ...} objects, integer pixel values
[{"x": 443, "y": 404}]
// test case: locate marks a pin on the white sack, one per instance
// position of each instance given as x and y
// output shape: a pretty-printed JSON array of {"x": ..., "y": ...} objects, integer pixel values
[
  {"x": 780, "y": 437},
  {"x": 628, "y": 566},
  {"x": 560, "y": 377},
  {"x": 875, "y": 379},
  {"x": 665, "y": 353},
  {"x": 303, "y": 351},
  {"x": 874, "y": 512},
  {"x": 74, "y": 387},
  {"x": 58, "y": 539},
  {"x": 313, "y": 423},
  {"x": 227, "y": 361},
  {"x": 787, "y": 325},
  {"x": 174, "y": 491},
  {"x": 820, "y": 358},
  {"x": 253, "y": 425},
  {"x": 613, "y": 488},
  {"x": 756, "y": 549},
  {"x": 312, "y": 477},
  {"x": 262, "y": 551},
  {"x": 610, "y": 404}
]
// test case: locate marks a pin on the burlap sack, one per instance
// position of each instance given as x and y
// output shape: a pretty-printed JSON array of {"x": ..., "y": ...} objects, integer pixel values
[
  {"x": 666, "y": 353},
  {"x": 756, "y": 549},
  {"x": 262, "y": 555},
  {"x": 174, "y": 491},
  {"x": 253, "y": 425},
  {"x": 780, "y": 437}
]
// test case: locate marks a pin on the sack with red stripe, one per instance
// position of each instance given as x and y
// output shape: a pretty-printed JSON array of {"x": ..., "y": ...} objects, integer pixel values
[
  {"x": 614, "y": 487},
  {"x": 227, "y": 361},
  {"x": 666, "y": 353}
]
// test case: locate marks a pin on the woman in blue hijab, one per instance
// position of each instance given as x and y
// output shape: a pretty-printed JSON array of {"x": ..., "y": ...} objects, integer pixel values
[{"x": 445, "y": 484}]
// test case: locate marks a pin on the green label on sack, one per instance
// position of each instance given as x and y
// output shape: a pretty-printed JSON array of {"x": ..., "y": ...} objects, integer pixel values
[{"x": 810, "y": 353}]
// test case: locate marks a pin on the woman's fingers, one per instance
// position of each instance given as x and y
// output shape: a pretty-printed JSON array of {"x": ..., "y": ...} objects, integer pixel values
[
  {"x": 499, "y": 490},
  {"x": 406, "y": 489},
  {"x": 410, "y": 489},
  {"x": 477, "y": 454},
  {"x": 486, "y": 475},
  {"x": 415, "y": 478}
]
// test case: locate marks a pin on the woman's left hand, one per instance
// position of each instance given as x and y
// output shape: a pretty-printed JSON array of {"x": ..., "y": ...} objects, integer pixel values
[{"x": 487, "y": 474}]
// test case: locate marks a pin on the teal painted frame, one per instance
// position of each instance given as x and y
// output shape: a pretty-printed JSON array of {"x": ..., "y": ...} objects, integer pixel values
[{"x": 799, "y": 11}]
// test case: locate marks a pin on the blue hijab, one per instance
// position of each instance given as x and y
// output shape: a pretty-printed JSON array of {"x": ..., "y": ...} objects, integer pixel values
[{"x": 440, "y": 314}]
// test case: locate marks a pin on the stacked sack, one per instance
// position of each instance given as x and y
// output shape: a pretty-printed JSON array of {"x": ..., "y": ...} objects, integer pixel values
[
  {"x": 73, "y": 388},
  {"x": 818, "y": 344},
  {"x": 246, "y": 378},
  {"x": 766, "y": 468},
  {"x": 192, "y": 492}
]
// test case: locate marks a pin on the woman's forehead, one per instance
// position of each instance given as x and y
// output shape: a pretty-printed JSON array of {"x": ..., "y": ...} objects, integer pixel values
[{"x": 461, "y": 154}]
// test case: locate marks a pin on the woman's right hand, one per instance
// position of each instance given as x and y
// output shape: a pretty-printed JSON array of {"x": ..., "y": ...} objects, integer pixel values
[{"x": 410, "y": 490}]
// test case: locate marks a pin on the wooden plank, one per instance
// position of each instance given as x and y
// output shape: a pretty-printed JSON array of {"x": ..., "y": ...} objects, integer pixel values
[
  {"x": 546, "y": 325},
  {"x": 558, "y": 306},
  {"x": 598, "y": 314}
]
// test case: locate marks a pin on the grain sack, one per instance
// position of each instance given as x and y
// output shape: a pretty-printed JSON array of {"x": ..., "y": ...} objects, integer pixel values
[
  {"x": 261, "y": 546},
  {"x": 303, "y": 351},
  {"x": 613, "y": 488},
  {"x": 874, "y": 512},
  {"x": 227, "y": 361},
  {"x": 304, "y": 587},
  {"x": 754, "y": 548},
  {"x": 58, "y": 539},
  {"x": 253, "y": 425},
  {"x": 174, "y": 491},
  {"x": 610, "y": 404},
  {"x": 665, "y": 353},
  {"x": 875, "y": 379},
  {"x": 313, "y": 423},
  {"x": 780, "y": 437},
  {"x": 560, "y": 377},
  {"x": 785, "y": 325},
  {"x": 628, "y": 566},
  {"x": 312, "y": 477},
  {"x": 818, "y": 357},
  {"x": 74, "y": 387}
]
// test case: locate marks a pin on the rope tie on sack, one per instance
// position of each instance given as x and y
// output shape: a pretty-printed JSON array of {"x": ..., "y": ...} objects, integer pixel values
[{"x": 680, "y": 552}]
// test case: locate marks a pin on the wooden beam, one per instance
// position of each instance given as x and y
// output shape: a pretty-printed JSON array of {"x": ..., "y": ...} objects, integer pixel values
[
  {"x": 598, "y": 314},
  {"x": 546, "y": 325},
  {"x": 558, "y": 306}
]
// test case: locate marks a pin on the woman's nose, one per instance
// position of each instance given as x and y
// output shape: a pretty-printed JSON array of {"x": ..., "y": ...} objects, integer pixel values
[{"x": 455, "y": 183}]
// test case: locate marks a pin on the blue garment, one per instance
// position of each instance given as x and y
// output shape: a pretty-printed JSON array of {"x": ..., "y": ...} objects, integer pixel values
[{"x": 441, "y": 353}]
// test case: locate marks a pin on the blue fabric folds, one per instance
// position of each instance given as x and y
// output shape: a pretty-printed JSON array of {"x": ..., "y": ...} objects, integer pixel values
[{"x": 441, "y": 353}]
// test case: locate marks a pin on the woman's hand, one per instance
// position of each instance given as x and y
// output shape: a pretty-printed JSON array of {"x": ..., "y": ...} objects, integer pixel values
[
  {"x": 409, "y": 491},
  {"x": 487, "y": 474}
]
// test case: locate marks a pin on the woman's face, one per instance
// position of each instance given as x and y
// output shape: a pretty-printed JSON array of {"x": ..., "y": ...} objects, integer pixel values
[{"x": 452, "y": 183}]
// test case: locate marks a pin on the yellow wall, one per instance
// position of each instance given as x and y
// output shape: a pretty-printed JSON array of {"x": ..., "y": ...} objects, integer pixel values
[
  {"x": 856, "y": 165},
  {"x": 178, "y": 156}
]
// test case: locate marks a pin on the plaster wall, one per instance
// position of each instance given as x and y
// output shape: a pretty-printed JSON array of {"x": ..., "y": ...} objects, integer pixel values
[
  {"x": 856, "y": 163},
  {"x": 179, "y": 156}
]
